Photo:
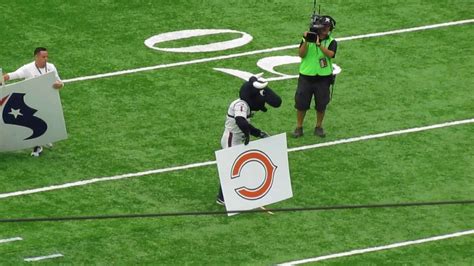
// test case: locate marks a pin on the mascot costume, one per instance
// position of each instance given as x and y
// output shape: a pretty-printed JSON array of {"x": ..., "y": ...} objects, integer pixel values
[{"x": 254, "y": 94}]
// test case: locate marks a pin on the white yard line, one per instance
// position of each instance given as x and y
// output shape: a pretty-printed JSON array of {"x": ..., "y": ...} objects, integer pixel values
[
  {"x": 269, "y": 50},
  {"x": 44, "y": 257},
  {"x": 392, "y": 32},
  {"x": 102, "y": 179},
  {"x": 382, "y": 135},
  {"x": 2, "y": 241},
  {"x": 372, "y": 249},
  {"x": 201, "y": 164}
]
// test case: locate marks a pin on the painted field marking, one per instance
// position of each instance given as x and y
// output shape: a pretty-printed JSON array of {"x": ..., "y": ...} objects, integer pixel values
[
  {"x": 269, "y": 212},
  {"x": 382, "y": 135},
  {"x": 269, "y": 50},
  {"x": 2, "y": 241},
  {"x": 58, "y": 255},
  {"x": 373, "y": 249},
  {"x": 201, "y": 164}
]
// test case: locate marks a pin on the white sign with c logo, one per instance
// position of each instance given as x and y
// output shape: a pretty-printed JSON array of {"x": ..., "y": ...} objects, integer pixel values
[{"x": 256, "y": 174}]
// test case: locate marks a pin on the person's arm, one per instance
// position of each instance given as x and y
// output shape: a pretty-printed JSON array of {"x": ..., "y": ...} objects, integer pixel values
[
  {"x": 331, "y": 53},
  {"x": 18, "y": 74},
  {"x": 327, "y": 52},
  {"x": 58, "y": 84},
  {"x": 303, "y": 46},
  {"x": 243, "y": 124},
  {"x": 248, "y": 129}
]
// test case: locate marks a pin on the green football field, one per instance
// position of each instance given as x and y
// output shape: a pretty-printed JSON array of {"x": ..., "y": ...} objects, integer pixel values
[{"x": 173, "y": 115}]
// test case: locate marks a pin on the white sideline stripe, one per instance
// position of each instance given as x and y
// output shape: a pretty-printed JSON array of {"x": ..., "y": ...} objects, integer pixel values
[
  {"x": 44, "y": 257},
  {"x": 372, "y": 249},
  {"x": 10, "y": 240},
  {"x": 382, "y": 135},
  {"x": 427, "y": 27},
  {"x": 210, "y": 59},
  {"x": 102, "y": 179},
  {"x": 201, "y": 164}
]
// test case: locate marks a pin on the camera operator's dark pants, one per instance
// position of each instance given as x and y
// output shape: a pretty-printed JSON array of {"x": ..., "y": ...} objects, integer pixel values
[{"x": 309, "y": 86}]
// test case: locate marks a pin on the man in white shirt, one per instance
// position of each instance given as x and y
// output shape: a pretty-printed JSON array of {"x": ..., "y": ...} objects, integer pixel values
[
  {"x": 34, "y": 69},
  {"x": 253, "y": 96}
]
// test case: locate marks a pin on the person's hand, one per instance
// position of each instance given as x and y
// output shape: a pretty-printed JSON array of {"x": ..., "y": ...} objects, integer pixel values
[
  {"x": 246, "y": 139},
  {"x": 305, "y": 34},
  {"x": 58, "y": 84},
  {"x": 317, "y": 40},
  {"x": 263, "y": 135}
]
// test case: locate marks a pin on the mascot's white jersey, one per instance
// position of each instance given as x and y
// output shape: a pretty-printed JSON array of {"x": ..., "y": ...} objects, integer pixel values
[{"x": 232, "y": 134}]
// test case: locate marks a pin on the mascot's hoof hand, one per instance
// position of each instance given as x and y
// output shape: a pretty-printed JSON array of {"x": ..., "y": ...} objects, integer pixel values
[
  {"x": 246, "y": 139},
  {"x": 264, "y": 134}
]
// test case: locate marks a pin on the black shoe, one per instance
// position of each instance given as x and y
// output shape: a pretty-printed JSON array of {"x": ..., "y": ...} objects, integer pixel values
[
  {"x": 298, "y": 132},
  {"x": 37, "y": 151},
  {"x": 220, "y": 201},
  {"x": 319, "y": 131}
]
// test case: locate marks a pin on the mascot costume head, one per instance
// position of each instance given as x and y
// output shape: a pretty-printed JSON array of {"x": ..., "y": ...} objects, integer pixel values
[{"x": 257, "y": 93}]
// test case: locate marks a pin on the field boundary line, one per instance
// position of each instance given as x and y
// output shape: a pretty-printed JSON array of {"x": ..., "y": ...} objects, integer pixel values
[
  {"x": 201, "y": 164},
  {"x": 382, "y": 135},
  {"x": 268, "y": 50},
  {"x": 379, "y": 248},
  {"x": 7, "y": 240},
  {"x": 58, "y": 255}
]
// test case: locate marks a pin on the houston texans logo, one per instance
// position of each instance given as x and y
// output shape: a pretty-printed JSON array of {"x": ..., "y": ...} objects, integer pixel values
[{"x": 16, "y": 112}]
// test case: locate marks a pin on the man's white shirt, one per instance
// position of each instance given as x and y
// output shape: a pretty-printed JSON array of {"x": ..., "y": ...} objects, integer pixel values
[{"x": 30, "y": 70}]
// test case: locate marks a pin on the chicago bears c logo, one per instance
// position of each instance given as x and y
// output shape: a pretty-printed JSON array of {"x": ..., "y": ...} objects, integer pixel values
[
  {"x": 265, "y": 161},
  {"x": 16, "y": 112}
]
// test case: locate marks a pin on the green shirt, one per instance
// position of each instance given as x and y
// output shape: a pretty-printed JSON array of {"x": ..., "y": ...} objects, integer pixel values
[{"x": 316, "y": 62}]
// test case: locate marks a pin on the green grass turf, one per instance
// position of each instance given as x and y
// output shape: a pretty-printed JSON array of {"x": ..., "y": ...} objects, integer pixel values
[{"x": 175, "y": 116}]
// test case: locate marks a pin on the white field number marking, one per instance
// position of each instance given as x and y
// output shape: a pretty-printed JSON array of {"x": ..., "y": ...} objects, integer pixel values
[{"x": 186, "y": 34}]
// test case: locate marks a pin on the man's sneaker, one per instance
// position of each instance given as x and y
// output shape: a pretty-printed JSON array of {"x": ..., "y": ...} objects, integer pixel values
[
  {"x": 220, "y": 201},
  {"x": 37, "y": 151},
  {"x": 298, "y": 132},
  {"x": 319, "y": 131},
  {"x": 49, "y": 145}
]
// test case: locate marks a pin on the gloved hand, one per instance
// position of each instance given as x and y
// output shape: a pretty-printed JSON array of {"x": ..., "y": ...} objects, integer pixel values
[
  {"x": 263, "y": 135},
  {"x": 246, "y": 139}
]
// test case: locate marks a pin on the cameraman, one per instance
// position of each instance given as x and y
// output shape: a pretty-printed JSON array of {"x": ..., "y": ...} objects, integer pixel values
[{"x": 316, "y": 51}]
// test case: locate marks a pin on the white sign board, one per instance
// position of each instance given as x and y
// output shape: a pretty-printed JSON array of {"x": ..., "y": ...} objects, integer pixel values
[
  {"x": 256, "y": 174},
  {"x": 31, "y": 114}
]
